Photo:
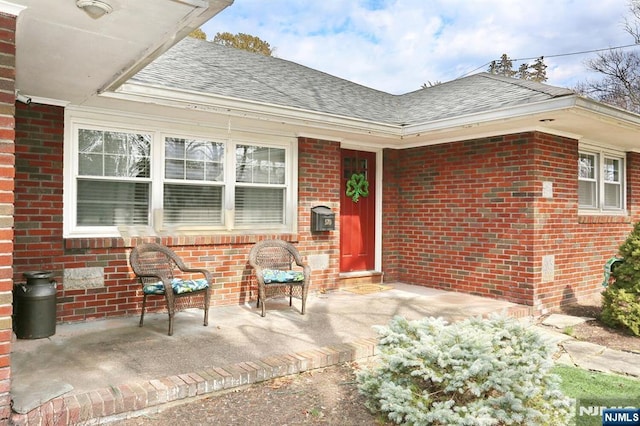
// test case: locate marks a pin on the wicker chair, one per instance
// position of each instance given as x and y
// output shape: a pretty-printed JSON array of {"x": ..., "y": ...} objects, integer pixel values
[
  {"x": 273, "y": 261},
  {"x": 160, "y": 272}
]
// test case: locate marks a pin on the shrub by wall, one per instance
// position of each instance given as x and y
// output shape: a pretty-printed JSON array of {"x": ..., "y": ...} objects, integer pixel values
[{"x": 621, "y": 300}]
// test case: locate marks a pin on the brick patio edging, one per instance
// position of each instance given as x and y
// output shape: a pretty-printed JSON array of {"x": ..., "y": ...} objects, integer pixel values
[
  {"x": 123, "y": 400},
  {"x": 119, "y": 402}
]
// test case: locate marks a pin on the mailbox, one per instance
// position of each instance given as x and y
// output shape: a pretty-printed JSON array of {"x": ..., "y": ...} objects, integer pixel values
[{"x": 322, "y": 219}]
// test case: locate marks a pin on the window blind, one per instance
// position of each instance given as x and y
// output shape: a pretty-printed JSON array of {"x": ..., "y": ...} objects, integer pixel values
[
  {"x": 108, "y": 203},
  {"x": 259, "y": 206},
  {"x": 192, "y": 204}
]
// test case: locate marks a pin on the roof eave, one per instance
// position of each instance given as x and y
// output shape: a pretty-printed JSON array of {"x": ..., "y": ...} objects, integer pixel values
[
  {"x": 616, "y": 115},
  {"x": 571, "y": 116},
  {"x": 566, "y": 116},
  {"x": 496, "y": 115},
  {"x": 191, "y": 100}
]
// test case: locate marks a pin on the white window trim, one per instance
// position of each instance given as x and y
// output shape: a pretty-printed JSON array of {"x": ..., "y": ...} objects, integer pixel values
[
  {"x": 160, "y": 128},
  {"x": 601, "y": 154}
]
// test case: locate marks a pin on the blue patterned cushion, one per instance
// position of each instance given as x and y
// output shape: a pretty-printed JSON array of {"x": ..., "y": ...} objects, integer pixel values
[
  {"x": 277, "y": 276},
  {"x": 179, "y": 286}
]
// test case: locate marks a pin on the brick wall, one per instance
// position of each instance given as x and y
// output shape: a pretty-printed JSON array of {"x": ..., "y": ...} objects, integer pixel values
[
  {"x": 39, "y": 162},
  {"x": 391, "y": 206},
  {"x": 471, "y": 218},
  {"x": 7, "y": 135},
  {"x": 39, "y": 242},
  {"x": 466, "y": 216},
  {"x": 463, "y": 218},
  {"x": 319, "y": 184},
  {"x": 633, "y": 184},
  {"x": 577, "y": 246}
]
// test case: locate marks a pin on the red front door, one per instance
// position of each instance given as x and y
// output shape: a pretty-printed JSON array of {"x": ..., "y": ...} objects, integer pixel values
[{"x": 357, "y": 211}]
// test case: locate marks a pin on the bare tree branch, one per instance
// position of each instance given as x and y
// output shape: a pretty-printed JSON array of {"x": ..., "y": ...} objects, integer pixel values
[
  {"x": 619, "y": 70},
  {"x": 632, "y": 26}
]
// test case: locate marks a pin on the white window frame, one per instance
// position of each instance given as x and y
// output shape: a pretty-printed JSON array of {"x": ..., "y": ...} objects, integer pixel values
[
  {"x": 601, "y": 155},
  {"x": 157, "y": 193},
  {"x": 159, "y": 128}
]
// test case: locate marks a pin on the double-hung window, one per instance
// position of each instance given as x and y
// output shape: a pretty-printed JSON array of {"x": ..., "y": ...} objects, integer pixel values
[
  {"x": 193, "y": 187},
  {"x": 260, "y": 185},
  {"x": 113, "y": 178},
  {"x": 601, "y": 184},
  {"x": 168, "y": 181}
]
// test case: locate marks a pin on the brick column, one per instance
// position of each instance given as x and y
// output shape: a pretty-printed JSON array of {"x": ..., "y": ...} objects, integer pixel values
[
  {"x": 319, "y": 184},
  {"x": 7, "y": 171}
]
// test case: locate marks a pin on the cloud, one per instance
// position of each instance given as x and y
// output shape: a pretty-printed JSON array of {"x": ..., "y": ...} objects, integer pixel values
[{"x": 397, "y": 45}]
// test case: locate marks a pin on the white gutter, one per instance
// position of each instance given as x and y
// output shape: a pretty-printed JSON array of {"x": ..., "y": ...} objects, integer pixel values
[
  {"x": 11, "y": 8},
  {"x": 196, "y": 101},
  {"x": 608, "y": 113},
  {"x": 480, "y": 124},
  {"x": 485, "y": 117}
]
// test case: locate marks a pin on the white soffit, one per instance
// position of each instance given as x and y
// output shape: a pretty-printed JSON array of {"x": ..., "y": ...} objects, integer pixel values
[{"x": 62, "y": 53}]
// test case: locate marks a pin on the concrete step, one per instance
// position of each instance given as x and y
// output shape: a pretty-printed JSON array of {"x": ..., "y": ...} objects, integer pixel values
[{"x": 351, "y": 279}]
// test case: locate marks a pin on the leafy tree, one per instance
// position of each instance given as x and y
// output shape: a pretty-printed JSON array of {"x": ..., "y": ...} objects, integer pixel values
[
  {"x": 504, "y": 66},
  {"x": 539, "y": 70},
  {"x": 198, "y": 33},
  {"x": 245, "y": 42},
  {"x": 430, "y": 84},
  {"x": 620, "y": 70},
  {"x": 523, "y": 72}
]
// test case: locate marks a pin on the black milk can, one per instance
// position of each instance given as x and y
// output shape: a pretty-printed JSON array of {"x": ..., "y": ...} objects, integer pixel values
[{"x": 34, "y": 306}]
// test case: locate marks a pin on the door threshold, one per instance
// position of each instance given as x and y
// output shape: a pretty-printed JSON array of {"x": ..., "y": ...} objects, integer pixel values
[
  {"x": 358, "y": 274},
  {"x": 360, "y": 277}
]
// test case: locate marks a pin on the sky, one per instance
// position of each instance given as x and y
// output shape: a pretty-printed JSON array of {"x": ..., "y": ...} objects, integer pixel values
[{"x": 398, "y": 45}]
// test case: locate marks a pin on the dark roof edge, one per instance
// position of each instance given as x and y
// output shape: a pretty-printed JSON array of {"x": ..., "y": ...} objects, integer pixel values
[{"x": 553, "y": 91}]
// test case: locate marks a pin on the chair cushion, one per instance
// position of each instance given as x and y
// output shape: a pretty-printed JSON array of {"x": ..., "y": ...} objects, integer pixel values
[
  {"x": 278, "y": 276},
  {"x": 179, "y": 286}
]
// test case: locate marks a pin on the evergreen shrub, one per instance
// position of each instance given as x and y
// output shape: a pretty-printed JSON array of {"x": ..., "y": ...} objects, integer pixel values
[
  {"x": 621, "y": 300},
  {"x": 478, "y": 371}
]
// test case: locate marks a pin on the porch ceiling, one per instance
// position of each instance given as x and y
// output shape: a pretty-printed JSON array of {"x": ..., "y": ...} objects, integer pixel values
[{"x": 63, "y": 55}]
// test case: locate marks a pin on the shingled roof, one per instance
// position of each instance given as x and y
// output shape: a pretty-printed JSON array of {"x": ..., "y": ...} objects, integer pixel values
[{"x": 207, "y": 68}]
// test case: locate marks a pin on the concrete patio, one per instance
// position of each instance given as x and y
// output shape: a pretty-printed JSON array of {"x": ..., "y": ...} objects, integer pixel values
[{"x": 103, "y": 369}]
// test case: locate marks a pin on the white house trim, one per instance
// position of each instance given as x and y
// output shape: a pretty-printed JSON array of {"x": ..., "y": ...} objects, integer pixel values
[{"x": 11, "y": 8}]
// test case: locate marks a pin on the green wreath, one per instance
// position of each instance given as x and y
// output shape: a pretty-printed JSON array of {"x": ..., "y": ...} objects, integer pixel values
[{"x": 357, "y": 187}]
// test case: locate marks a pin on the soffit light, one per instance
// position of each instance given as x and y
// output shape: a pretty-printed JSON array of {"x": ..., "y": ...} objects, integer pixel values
[{"x": 94, "y": 8}]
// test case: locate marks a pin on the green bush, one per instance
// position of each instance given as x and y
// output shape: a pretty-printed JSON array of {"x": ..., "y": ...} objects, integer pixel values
[
  {"x": 621, "y": 300},
  {"x": 475, "y": 372}
]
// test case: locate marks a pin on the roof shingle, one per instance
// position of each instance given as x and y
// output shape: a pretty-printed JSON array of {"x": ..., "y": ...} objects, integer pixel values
[{"x": 208, "y": 68}]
